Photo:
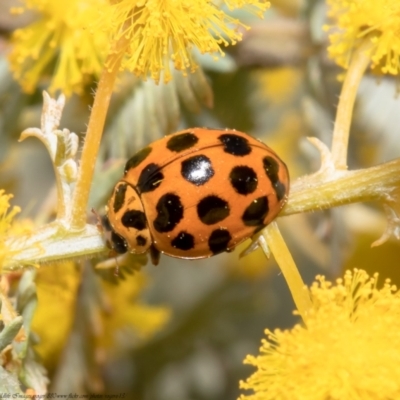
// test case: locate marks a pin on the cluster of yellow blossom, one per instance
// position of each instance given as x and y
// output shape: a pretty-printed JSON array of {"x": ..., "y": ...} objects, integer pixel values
[
  {"x": 350, "y": 348},
  {"x": 377, "y": 21},
  {"x": 6, "y": 224},
  {"x": 71, "y": 39},
  {"x": 59, "y": 44},
  {"x": 125, "y": 315},
  {"x": 160, "y": 31}
]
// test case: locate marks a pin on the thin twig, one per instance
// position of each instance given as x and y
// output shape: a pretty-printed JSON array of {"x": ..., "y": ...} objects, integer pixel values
[
  {"x": 359, "y": 63},
  {"x": 94, "y": 134},
  {"x": 281, "y": 253}
]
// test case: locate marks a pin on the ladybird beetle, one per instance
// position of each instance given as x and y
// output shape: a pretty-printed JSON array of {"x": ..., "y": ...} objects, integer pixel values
[{"x": 196, "y": 193}]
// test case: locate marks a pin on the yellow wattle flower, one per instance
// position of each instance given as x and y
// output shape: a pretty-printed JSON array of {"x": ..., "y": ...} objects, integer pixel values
[
  {"x": 57, "y": 288},
  {"x": 6, "y": 215},
  {"x": 349, "y": 350},
  {"x": 60, "y": 44},
  {"x": 357, "y": 20},
  {"x": 160, "y": 31},
  {"x": 128, "y": 316},
  {"x": 70, "y": 40},
  {"x": 121, "y": 320},
  {"x": 9, "y": 228}
]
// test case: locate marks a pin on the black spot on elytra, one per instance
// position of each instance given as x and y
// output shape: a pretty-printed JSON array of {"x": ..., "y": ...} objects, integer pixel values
[
  {"x": 183, "y": 241},
  {"x": 212, "y": 209},
  {"x": 243, "y": 179},
  {"x": 169, "y": 212},
  {"x": 197, "y": 170},
  {"x": 119, "y": 196},
  {"x": 141, "y": 240},
  {"x": 235, "y": 144},
  {"x": 182, "y": 142},
  {"x": 271, "y": 168},
  {"x": 256, "y": 212},
  {"x": 135, "y": 160},
  {"x": 134, "y": 219},
  {"x": 118, "y": 243},
  {"x": 218, "y": 240},
  {"x": 150, "y": 178}
]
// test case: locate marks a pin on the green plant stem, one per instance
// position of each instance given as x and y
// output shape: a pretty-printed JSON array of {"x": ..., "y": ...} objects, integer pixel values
[
  {"x": 359, "y": 63},
  {"x": 50, "y": 244},
  {"x": 288, "y": 267},
  {"x": 309, "y": 193},
  {"x": 93, "y": 136},
  {"x": 371, "y": 184}
]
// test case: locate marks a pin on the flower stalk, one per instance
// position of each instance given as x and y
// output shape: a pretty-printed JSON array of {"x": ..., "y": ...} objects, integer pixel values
[
  {"x": 322, "y": 190},
  {"x": 94, "y": 133},
  {"x": 272, "y": 239},
  {"x": 360, "y": 60}
]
